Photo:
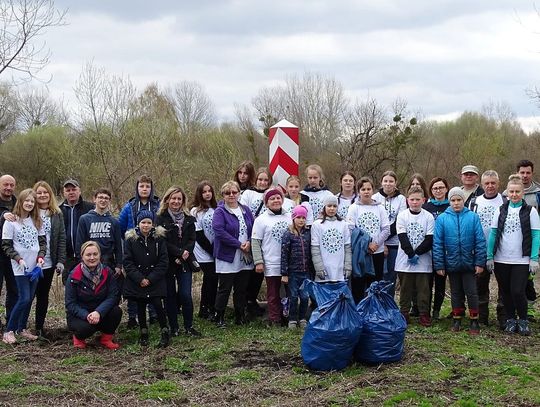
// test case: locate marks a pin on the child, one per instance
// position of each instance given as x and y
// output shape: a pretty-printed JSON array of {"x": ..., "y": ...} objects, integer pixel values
[
  {"x": 268, "y": 230},
  {"x": 459, "y": 250},
  {"x": 202, "y": 210},
  {"x": 25, "y": 243},
  {"x": 293, "y": 198},
  {"x": 296, "y": 265},
  {"x": 373, "y": 219},
  {"x": 315, "y": 191},
  {"x": 145, "y": 262},
  {"x": 331, "y": 244},
  {"x": 414, "y": 228},
  {"x": 347, "y": 195}
]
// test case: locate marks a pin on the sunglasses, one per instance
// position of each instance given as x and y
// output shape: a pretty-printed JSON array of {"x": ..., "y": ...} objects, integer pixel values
[{"x": 230, "y": 193}]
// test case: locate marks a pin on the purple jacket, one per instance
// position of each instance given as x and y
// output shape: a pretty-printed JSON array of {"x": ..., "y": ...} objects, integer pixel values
[{"x": 226, "y": 231}]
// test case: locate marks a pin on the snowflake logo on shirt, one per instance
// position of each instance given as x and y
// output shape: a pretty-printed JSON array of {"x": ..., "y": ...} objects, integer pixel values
[
  {"x": 207, "y": 223},
  {"x": 415, "y": 233},
  {"x": 242, "y": 225},
  {"x": 369, "y": 222},
  {"x": 486, "y": 216},
  {"x": 332, "y": 240},
  {"x": 46, "y": 224},
  {"x": 512, "y": 223},
  {"x": 254, "y": 207},
  {"x": 343, "y": 210},
  {"x": 278, "y": 230},
  {"x": 28, "y": 236},
  {"x": 390, "y": 211},
  {"x": 316, "y": 206}
]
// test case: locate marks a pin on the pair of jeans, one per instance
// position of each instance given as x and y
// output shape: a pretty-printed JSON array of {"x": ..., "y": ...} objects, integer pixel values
[
  {"x": 296, "y": 280},
  {"x": 512, "y": 280},
  {"x": 6, "y": 274},
  {"x": 132, "y": 309},
  {"x": 179, "y": 289},
  {"x": 390, "y": 270},
  {"x": 18, "y": 320},
  {"x": 108, "y": 323}
]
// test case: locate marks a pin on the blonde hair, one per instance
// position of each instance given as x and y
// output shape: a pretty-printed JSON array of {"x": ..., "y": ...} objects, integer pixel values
[
  {"x": 515, "y": 179},
  {"x": 164, "y": 204},
  {"x": 228, "y": 185},
  {"x": 88, "y": 244},
  {"x": 317, "y": 168},
  {"x": 34, "y": 213},
  {"x": 53, "y": 207}
]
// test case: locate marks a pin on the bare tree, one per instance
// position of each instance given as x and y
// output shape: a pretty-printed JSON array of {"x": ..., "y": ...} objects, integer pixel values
[
  {"x": 36, "y": 108},
  {"x": 194, "y": 108},
  {"x": 22, "y": 22},
  {"x": 8, "y": 112}
]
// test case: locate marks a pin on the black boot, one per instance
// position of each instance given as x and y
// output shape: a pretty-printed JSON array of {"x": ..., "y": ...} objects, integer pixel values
[
  {"x": 239, "y": 317},
  {"x": 204, "y": 312},
  {"x": 165, "y": 338},
  {"x": 456, "y": 324},
  {"x": 143, "y": 338},
  {"x": 220, "y": 319}
]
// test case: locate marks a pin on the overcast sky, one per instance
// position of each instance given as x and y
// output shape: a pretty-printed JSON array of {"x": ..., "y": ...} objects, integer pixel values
[{"x": 443, "y": 57}]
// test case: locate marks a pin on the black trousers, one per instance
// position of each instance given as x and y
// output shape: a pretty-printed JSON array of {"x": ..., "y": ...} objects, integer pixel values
[
  {"x": 6, "y": 275},
  {"x": 439, "y": 282},
  {"x": 482, "y": 285},
  {"x": 512, "y": 280},
  {"x": 254, "y": 285},
  {"x": 157, "y": 304},
  {"x": 359, "y": 285},
  {"x": 42, "y": 296},
  {"x": 82, "y": 329},
  {"x": 209, "y": 285},
  {"x": 228, "y": 281}
]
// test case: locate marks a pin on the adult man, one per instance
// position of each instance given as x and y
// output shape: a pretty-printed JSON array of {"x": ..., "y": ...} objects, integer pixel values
[
  {"x": 469, "y": 180},
  {"x": 485, "y": 206},
  {"x": 7, "y": 202},
  {"x": 73, "y": 208},
  {"x": 101, "y": 227}
]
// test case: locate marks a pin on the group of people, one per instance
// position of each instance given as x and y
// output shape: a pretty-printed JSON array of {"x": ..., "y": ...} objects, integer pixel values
[{"x": 258, "y": 233}]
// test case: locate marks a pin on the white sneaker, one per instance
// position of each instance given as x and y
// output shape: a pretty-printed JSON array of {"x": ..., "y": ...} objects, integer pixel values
[
  {"x": 25, "y": 333},
  {"x": 303, "y": 323},
  {"x": 9, "y": 338},
  {"x": 292, "y": 324}
]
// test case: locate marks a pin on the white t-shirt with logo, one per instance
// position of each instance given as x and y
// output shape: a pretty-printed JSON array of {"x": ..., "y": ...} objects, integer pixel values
[
  {"x": 316, "y": 200},
  {"x": 417, "y": 227},
  {"x": 203, "y": 221},
  {"x": 485, "y": 208},
  {"x": 509, "y": 250},
  {"x": 373, "y": 219},
  {"x": 331, "y": 237},
  {"x": 343, "y": 204},
  {"x": 254, "y": 201},
  {"x": 269, "y": 228},
  {"x": 393, "y": 207},
  {"x": 25, "y": 241}
]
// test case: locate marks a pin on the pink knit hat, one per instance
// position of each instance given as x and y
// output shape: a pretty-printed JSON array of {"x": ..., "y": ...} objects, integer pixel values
[{"x": 299, "y": 210}]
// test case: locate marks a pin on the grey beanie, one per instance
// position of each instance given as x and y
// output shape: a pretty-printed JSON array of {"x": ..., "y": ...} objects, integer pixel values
[
  {"x": 330, "y": 200},
  {"x": 456, "y": 191}
]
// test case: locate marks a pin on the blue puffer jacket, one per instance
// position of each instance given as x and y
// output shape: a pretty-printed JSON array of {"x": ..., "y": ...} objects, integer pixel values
[
  {"x": 458, "y": 243},
  {"x": 296, "y": 253}
]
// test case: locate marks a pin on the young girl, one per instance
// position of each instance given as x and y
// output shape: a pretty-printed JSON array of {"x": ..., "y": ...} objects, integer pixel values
[
  {"x": 53, "y": 226},
  {"x": 315, "y": 191},
  {"x": 268, "y": 231},
  {"x": 296, "y": 265},
  {"x": 393, "y": 203},
  {"x": 414, "y": 228},
  {"x": 347, "y": 195},
  {"x": 245, "y": 175},
  {"x": 331, "y": 244},
  {"x": 202, "y": 209},
  {"x": 417, "y": 180},
  {"x": 24, "y": 242},
  {"x": 145, "y": 264},
  {"x": 294, "y": 198},
  {"x": 459, "y": 250},
  {"x": 371, "y": 216},
  {"x": 514, "y": 242}
]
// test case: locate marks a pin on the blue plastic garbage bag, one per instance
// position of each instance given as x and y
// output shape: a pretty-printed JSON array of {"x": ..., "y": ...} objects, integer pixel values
[
  {"x": 383, "y": 327},
  {"x": 35, "y": 274},
  {"x": 334, "y": 327}
]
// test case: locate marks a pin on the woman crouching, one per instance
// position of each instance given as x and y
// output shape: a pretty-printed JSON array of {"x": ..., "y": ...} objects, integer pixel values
[{"x": 91, "y": 297}]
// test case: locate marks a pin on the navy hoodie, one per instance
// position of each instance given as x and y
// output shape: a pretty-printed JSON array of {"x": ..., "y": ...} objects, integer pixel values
[{"x": 105, "y": 230}]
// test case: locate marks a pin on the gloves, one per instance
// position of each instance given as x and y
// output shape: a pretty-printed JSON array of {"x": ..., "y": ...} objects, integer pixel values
[
  {"x": 321, "y": 274},
  {"x": 59, "y": 268},
  {"x": 347, "y": 273},
  {"x": 533, "y": 267},
  {"x": 490, "y": 265},
  {"x": 413, "y": 261}
]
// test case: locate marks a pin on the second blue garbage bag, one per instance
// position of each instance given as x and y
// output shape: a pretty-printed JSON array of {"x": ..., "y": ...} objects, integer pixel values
[
  {"x": 334, "y": 327},
  {"x": 383, "y": 327}
]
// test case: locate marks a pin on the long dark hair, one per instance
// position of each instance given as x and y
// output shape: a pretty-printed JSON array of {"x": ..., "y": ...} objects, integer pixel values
[
  {"x": 198, "y": 202},
  {"x": 250, "y": 169}
]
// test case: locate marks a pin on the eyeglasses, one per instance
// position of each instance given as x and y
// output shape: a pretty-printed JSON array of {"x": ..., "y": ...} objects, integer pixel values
[
  {"x": 103, "y": 198},
  {"x": 230, "y": 193},
  {"x": 438, "y": 188}
]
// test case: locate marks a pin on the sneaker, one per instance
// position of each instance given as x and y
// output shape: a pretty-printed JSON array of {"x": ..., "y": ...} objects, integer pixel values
[
  {"x": 511, "y": 326},
  {"x": 292, "y": 324},
  {"x": 25, "y": 333},
  {"x": 192, "y": 332},
  {"x": 425, "y": 320},
  {"x": 302, "y": 324},
  {"x": 523, "y": 327},
  {"x": 9, "y": 338},
  {"x": 132, "y": 323}
]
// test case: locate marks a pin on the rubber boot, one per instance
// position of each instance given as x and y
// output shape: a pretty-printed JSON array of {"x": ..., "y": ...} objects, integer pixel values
[
  {"x": 474, "y": 329},
  {"x": 220, "y": 319},
  {"x": 79, "y": 343},
  {"x": 143, "y": 338},
  {"x": 106, "y": 340},
  {"x": 165, "y": 338}
]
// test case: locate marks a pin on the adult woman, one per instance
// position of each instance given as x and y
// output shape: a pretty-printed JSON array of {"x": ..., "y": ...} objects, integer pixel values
[
  {"x": 24, "y": 242},
  {"x": 514, "y": 242},
  {"x": 232, "y": 224},
  {"x": 91, "y": 297},
  {"x": 245, "y": 175},
  {"x": 347, "y": 195},
  {"x": 55, "y": 259},
  {"x": 145, "y": 264},
  {"x": 394, "y": 202},
  {"x": 180, "y": 230},
  {"x": 437, "y": 204}
]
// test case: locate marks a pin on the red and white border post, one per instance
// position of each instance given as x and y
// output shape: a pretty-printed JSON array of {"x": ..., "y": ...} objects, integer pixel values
[{"x": 283, "y": 151}]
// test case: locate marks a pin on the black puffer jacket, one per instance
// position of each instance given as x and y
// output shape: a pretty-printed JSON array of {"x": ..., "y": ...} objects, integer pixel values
[
  {"x": 175, "y": 245},
  {"x": 145, "y": 258}
]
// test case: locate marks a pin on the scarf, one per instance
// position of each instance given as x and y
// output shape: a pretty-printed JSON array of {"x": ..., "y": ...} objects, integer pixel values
[
  {"x": 178, "y": 219},
  {"x": 94, "y": 276}
]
